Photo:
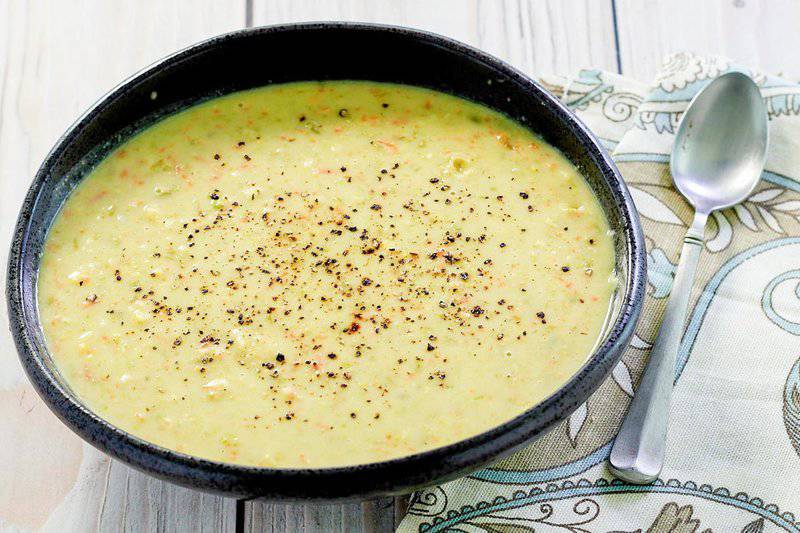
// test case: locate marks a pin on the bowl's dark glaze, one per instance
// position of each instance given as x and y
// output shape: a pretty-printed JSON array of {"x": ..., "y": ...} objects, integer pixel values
[{"x": 262, "y": 56}]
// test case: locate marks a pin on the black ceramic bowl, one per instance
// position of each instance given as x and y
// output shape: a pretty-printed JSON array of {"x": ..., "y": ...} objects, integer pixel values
[{"x": 278, "y": 54}]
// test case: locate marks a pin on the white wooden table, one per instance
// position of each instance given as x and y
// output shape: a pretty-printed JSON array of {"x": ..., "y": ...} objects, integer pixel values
[{"x": 58, "y": 56}]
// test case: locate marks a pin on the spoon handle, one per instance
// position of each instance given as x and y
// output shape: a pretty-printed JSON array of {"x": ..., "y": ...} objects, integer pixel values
[{"x": 638, "y": 452}]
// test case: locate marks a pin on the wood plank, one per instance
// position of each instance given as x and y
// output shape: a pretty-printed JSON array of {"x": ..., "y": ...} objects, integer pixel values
[
  {"x": 137, "y": 502},
  {"x": 278, "y": 518},
  {"x": 379, "y": 515},
  {"x": 756, "y": 33},
  {"x": 369, "y": 516},
  {"x": 56, "y": 58},
  {"x": 542, "y": 36},
  {"x": 548, "y": 36}
]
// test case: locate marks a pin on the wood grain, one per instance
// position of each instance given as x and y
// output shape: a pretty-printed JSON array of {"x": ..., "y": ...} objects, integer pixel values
[
  {"x": 137, "y": 502},
  {"x": 379, "y": 515},
  {"x": 56, "y": 58},
  {"x": 534, "y": 36},
  {"x": 276, "y": 518},
  {"x": 756, "y": 33},
  {"x": 542, "y": 36}
]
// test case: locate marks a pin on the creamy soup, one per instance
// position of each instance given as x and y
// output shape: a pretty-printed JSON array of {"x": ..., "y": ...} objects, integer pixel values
[{"x": 325, "y": 273}]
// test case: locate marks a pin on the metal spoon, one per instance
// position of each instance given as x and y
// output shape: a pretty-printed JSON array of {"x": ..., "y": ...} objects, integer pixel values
[{"x": 716, "y": 162}]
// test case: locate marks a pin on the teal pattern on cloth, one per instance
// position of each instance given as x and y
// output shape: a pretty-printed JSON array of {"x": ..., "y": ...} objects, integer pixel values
[{"x": 733, "y": 462}]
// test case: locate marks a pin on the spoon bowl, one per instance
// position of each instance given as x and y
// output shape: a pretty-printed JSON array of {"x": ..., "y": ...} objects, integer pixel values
[{"x": 721, "y": 144}]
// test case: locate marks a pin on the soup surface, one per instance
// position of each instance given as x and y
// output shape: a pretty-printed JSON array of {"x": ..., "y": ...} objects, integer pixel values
[{"x": 325, "y": 273}]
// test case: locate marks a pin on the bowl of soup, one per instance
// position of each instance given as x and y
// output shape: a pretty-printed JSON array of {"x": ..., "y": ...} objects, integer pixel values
[{"x": 323, "y": 261}]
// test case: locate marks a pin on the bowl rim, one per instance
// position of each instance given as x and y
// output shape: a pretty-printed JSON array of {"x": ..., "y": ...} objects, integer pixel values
[{"x": 234, "y": 478}]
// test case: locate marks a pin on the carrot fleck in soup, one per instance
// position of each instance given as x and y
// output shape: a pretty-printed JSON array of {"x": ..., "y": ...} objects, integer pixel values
[{"x": 325, "y": 273}]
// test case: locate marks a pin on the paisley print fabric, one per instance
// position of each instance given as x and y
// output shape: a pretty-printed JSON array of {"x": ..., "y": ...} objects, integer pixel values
[{"x": 733, "y": 462}]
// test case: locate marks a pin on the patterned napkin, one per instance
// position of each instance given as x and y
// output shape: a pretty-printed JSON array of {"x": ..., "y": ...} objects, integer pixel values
[{"x": 733, "y": 457}]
